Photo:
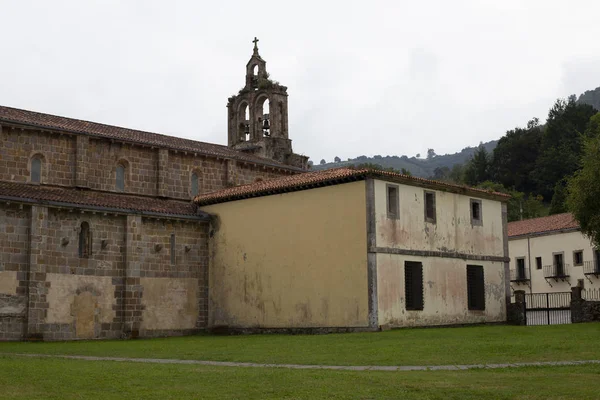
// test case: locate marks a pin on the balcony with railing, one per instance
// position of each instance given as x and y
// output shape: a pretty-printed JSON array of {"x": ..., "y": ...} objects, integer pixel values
[
  {"x": 556, "y": 271},
  {"x": 591, "y": 268},
  {"x": 519, "y": 275}
]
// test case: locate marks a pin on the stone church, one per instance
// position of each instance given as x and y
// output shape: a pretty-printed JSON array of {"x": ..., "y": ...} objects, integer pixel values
[
  {"x": 98, "y": 234},
  {"x": 108, "y": 232}
]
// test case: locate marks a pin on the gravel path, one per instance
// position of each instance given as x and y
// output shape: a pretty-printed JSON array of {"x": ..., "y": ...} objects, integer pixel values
[{"x": 300, "y": 366}]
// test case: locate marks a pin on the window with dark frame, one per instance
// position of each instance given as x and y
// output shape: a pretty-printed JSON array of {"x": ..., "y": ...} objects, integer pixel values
[
  {"x": 538, "y": 263},
  {"x": 559, "y": 266},
  {"x": 476, "y": 217},
  {"x": 85, "y": 241},
  {"x": 194, "y": 184},
  {"x": 578, "y": 258},
  {"x": 36, "y": 170},
  {"x": 430, "y": 206},
  {"x": 413, "y": 285},
  {"x": 475, "y": 287},
  {"x": 393, "y": 207},
  {"x": 172, "y": 249},
  {"x": 521, "y": 268},
  {"x": 120, "y": 178}
]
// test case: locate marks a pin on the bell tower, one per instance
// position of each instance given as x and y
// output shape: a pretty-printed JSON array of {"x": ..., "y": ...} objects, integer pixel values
[{"x": 258, "y": 116}]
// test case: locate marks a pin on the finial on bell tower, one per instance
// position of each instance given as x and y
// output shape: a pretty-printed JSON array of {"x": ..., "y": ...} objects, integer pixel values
[{"x": 255, "y": 41}]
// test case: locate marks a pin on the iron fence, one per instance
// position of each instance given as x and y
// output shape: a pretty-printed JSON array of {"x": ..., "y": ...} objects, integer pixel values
[
  {"x": 519, "y": 275},
  {"x": 590, "y": 294},
  {"x": 556, "y": 271},
  {"x": 548, "y": 308},
  {"x": 591, "y": 267}
]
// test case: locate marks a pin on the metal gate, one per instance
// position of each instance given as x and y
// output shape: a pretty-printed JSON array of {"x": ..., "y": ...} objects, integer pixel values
[{"x": 548, "y": 308}]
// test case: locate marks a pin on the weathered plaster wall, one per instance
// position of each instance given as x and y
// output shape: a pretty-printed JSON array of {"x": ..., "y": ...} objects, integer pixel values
[
  {"x": 544, "y": 246},
  {"x": 452, "y": 231},
  {"x": 444, "y": 292},
  {"x": 170, "y": 304},
  {"x": 293, "y": 260}
]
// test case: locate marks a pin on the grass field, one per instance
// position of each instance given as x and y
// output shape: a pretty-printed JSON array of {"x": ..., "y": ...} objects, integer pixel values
[
  {"x": 469, "y": 345},
  {"x": 31, "y": 378}
]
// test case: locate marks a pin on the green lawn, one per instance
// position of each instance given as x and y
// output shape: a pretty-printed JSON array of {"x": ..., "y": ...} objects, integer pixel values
[
  {"x": 31, "y": 378},
  {"x": 470, "y": 345}
]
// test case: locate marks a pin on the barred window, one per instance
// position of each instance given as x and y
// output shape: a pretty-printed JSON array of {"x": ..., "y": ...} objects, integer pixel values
[
  {"x": 413, "y": 285},
  {"x": 475, "y": 287}
]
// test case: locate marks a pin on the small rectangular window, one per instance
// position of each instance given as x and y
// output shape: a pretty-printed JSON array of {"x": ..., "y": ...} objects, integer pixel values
[
  {"x": 520, "y": 268},
  {"x": 476, "y": 218},
  {"x": 475, "y": 287},
  {"x": 172, "y": 249},
  {"x": 538, "y": 263},
  {"x": 578, "y": 257},
  {"x": 413, "y": 285},
  {"x": 430, "y": 207},
  {"x": 393, "y": 209}
]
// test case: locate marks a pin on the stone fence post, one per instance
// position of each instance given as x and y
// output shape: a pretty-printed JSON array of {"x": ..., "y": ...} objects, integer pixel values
[{"x": 516, "y": 310}]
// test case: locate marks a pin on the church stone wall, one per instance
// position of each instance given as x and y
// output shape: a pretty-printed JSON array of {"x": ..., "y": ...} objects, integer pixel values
[
  {"x": 128, "y": 286},
  {"x": 141, "y": 167},
  {"x": 14, "y": 262},
  {"x": 78, "y": 160},
  {"x": 17, "y": 146}
]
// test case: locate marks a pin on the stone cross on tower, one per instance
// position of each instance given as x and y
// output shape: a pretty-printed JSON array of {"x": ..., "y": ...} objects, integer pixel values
[{"x": 255, "y": 41}]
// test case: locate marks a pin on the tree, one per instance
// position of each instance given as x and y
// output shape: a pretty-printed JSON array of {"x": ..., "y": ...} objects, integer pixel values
[
  {"x": 515, "y": 156},
  {"x": 457, "y": 173},
  {"x": 441, "y": 173},
  {"x": 430, "y": 154},
  {"x": 337, "y": 159},
  {"x": 583, "y": 198},
  {"x": 323, "y": 162},
  {"x": 406, "y": 172},
  {"x": 561, "y": 145},
  {"x": 520, "y": 206},
  {"x": 477, "y": 169},
  {"x": 558, "y": 204}
]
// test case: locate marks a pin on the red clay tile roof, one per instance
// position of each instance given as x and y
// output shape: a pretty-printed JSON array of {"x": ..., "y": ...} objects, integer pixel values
[
  {"x": 331, "y": 177},
  {"x": 47, "y": 121},
  {"x": 110, "y": 202},
  {"x": 550, "y": 223}
]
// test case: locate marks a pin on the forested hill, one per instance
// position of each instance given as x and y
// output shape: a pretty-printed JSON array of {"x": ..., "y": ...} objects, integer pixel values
[
  {"x": 591, "y": 97},
  {"x": 422, "y": 167}
]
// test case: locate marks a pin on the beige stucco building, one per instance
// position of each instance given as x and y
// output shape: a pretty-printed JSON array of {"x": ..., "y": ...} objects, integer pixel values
[
  {"x": 349, "y": 248},
  {"x": 550, "y": 254}
]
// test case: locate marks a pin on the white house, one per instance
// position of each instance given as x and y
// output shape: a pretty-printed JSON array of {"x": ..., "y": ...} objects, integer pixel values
[{"x": 550, "y": 254}]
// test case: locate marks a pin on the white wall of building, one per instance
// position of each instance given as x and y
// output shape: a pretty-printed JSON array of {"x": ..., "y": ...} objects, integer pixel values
[{"x": 545, "y": 246}]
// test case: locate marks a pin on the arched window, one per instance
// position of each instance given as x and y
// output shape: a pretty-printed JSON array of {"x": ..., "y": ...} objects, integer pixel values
[
  {"x": 120, "y": 178},
  {"x": 36, "y": 169},
  {"x": 194, "y": 184},
  {"x": 85, "y": 242}
]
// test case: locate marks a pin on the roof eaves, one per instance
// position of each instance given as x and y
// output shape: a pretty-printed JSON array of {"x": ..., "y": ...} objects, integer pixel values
[
  {"x": 199, "y": 216},
  {"x": 544, "y": 233}
]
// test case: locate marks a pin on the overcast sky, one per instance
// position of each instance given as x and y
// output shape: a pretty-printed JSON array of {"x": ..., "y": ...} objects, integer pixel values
[{"x": 364, "y": 77}]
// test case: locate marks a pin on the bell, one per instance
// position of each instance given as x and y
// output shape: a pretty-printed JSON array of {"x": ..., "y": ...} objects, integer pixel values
[
  {"x": 247, "y": 129},
  {"x": 266, "y": 124}
]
